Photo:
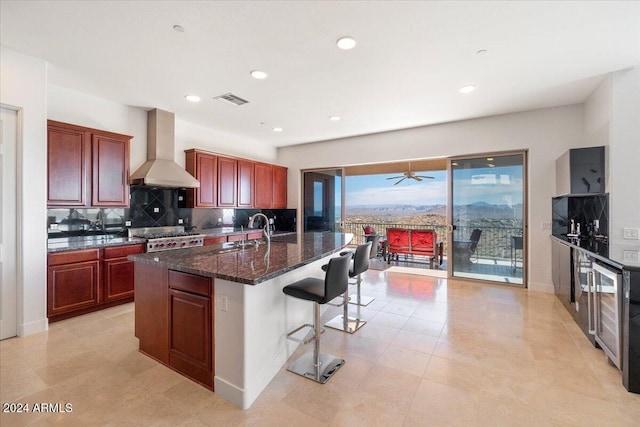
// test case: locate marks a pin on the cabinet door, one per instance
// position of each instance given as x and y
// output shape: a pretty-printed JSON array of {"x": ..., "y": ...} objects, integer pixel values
[
  {"x": 263, "y": 197},
  {"x": 245, "y": 184},
  {"x": 110, "y": 171},
  {"x": 190, "y": 337},
  {"x": 118, "y": 276},
  {"x": 279, "y": 187},
  {"x": 67, "y": 159},
  {"x": 204, "y": 167},
  {"x": 227, "y": 184},
  {"x": 72, "y": 286}
]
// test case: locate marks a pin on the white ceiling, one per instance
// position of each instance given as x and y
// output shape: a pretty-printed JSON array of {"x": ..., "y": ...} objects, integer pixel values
[{"x": 410, "y": 58}]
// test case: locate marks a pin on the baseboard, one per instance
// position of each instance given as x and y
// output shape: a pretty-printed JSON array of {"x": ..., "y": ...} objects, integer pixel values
[
  {"x": 541, "y": 287},
  {"x": 31, "y": 328}
]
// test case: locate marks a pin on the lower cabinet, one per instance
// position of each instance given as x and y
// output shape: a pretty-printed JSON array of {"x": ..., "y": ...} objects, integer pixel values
[
  {"x": 73, "y": 280},
  {"x": 87, "y": 280},
  {"x": 191, "y": 326},
  {"x": 118, "y": 272}
]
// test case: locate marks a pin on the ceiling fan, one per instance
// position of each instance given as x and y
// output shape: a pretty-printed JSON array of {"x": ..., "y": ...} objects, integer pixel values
[{"x": 409, "y": 175}]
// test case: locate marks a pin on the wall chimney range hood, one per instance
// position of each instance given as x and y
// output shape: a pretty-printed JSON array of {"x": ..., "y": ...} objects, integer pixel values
[{"x": 160, "y": 169}]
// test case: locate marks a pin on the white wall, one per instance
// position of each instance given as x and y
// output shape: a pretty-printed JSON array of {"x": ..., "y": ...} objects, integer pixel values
[
  {"x": 24, "y": 85},
  {"x": 625, "y": 156},
  {"x": 546, "y": 133}
]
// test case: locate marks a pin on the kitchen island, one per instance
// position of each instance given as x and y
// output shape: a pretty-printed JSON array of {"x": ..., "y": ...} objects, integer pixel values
[{"x": 217, "y": 314}]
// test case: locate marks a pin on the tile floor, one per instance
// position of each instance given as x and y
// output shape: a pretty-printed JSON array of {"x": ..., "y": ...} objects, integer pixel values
[{"x": 434, "y": 353}]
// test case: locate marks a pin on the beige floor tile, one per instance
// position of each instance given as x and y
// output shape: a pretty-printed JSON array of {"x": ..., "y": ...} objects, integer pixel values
[
  {"x": 406, "y": 360},
  {"x": 414, "y": 341},
  {"x": 443, "y": 403},
  {"x": 392, "y": 385},
  {"x": 468, "y": 354},
  {"x": 455, "y": 374}
]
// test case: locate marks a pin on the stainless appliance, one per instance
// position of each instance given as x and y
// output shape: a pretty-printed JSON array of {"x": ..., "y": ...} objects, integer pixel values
[
  {"x": 160, "y": 169},
  {"x": 165, "y": 238},
  {"x": 583, "y": 292},
  {"x": 607, "y": 305}
]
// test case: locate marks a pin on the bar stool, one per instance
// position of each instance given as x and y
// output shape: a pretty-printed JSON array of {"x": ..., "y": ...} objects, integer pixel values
[
  {"x": 314, "y": 365},
  {"x": 359, "y": 265}
]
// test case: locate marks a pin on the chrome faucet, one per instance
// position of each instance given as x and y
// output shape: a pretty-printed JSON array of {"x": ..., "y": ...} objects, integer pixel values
[{"x": 266, "y": 225}]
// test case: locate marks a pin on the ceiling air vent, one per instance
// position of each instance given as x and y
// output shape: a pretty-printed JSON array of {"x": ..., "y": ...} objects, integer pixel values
[{"x": 231, "y": 99}]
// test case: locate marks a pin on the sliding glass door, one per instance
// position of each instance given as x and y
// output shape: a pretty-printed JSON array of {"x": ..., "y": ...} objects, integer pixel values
[
  {"x": 323, "y": 195},
  {"x": 487, "y": 212}
]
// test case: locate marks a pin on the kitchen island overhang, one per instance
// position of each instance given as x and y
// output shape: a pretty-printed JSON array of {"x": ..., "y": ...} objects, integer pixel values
[{"x": 250, "y": 314}]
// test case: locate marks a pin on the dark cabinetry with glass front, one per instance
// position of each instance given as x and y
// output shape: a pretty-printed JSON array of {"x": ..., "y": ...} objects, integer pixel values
[{"x": 580, "y": 171}]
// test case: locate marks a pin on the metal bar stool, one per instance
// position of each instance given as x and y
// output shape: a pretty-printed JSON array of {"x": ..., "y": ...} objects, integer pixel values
[
  {"x": 314, "y": 365},
  {"x": 359, "y": 265}
]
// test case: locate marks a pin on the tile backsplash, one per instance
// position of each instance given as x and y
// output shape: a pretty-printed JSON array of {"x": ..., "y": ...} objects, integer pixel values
[
  {"x": 155, "y": 207},
  {"x": 583, "y": 210}
]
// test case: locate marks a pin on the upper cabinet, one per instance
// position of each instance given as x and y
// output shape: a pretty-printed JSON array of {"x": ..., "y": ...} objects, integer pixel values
[
  {"x": 263, "y": 186},
  {"x": 245, "y": 184},
  {"x": 227, "y": 181},
  {"x": 581, "y": 171},
  {"x": 86, "y": 167},
  {"x": 279, "y": 187},
  {"x": 233, "y": 182},
  {"x": 204, "y": 167}
]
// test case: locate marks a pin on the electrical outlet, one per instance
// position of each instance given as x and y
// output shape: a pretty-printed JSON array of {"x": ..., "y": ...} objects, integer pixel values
[
  {"x": 630, "y": 233},
  {"x": 545, "y": 226},
  {"x": 180, "y": 221},
  {"x": 631, "y": 256},
  {"x": 53, "y": 226},
  {"x": 156, "y": 210},
  {"x": 127, "y": 223},
  {"x": 224, "y": 304}
]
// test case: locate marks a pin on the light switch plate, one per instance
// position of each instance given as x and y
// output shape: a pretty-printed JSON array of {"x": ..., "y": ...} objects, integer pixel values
[
  {"x": 180, "y": 221},
  {"x": 630, "y": 233},
  {"x": 156, "y": 210},
  {"x": 224, "y": 303},
  {"x": 545, "y": 226},
  {"x": 127, "y": 223}
]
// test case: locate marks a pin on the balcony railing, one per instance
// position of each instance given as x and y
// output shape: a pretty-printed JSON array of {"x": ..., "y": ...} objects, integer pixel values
[{"x": 495, "y": 241}]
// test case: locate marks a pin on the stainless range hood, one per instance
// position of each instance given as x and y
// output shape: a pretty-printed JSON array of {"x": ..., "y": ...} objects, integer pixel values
[{"x": 160, "y": 169}]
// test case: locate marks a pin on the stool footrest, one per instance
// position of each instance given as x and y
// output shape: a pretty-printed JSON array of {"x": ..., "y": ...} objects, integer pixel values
[
  {"x": 308, "y": 337},
  {"x": 341, "y": 298},
  {"x": 350, "y": 326},
  {"x": 362, "y": 300}
]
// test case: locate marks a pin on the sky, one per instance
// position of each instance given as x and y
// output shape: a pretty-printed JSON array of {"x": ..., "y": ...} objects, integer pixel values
[{"x": 499, "y": 185}]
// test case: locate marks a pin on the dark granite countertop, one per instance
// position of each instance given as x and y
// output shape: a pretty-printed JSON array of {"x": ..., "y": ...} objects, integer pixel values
[
  {"x": 250, "y": 265},
  {"x": 608, "y": 252},
  {"x": 78, "y": 243}
]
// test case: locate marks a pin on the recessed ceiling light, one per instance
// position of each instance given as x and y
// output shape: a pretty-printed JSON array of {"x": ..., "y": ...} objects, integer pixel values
[
  {"x": 277, "y": 129},
  {"x": 192, "y": 98},
  {"x": 481, "y": 52},
  {"x": 334, "y": 118},
  {"x": 178, "y": 28},
  {"x": 259, "y": 75},
  {"x": 490, "y": 159},
  {"x": 491, "y": 165},
  {"x": 346, "y": 43},
  {"x": 467, "y": 89}
]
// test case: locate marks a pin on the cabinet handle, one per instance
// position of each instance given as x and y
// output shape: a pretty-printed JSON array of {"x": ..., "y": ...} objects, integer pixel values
[{"x": 590, "y": 305}]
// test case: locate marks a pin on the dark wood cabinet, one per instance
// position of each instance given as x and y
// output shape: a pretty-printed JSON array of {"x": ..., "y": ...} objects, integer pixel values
[
  {"x": 245, "y": 184},
  {"x": 215, "y": 240},
  {"x": 263, "y": 186},
  {"x": 279, "y": 187},
  {"x": 73, "y": 280},
  {"x": 204, "y": 167},
  {"x": 110, "y": 171},
  {"x": 82, "y": 281},
  {"x": 118, "y": 274},
  {"x": 227, "y": 181},
  {"x": 86, "y": 167},
  {"x": 191, "y": 345},
  {"x": 67, "y": 157}
]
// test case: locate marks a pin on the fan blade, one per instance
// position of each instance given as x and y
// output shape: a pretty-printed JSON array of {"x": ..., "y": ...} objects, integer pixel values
[
  {"x": 425, "y": 177},
  {"x": 417, "y": 178},
  {"x": 397, "y": 177},
  {"x": 399, "y": 181}
]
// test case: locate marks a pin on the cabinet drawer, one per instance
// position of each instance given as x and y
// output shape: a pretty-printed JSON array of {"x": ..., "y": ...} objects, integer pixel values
[
  {"x": 73, "y": 256},
  {"x": 123, "y": 251},
  {"x": 190, "y": 283},
  {"x": 215, "y": 240}
]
